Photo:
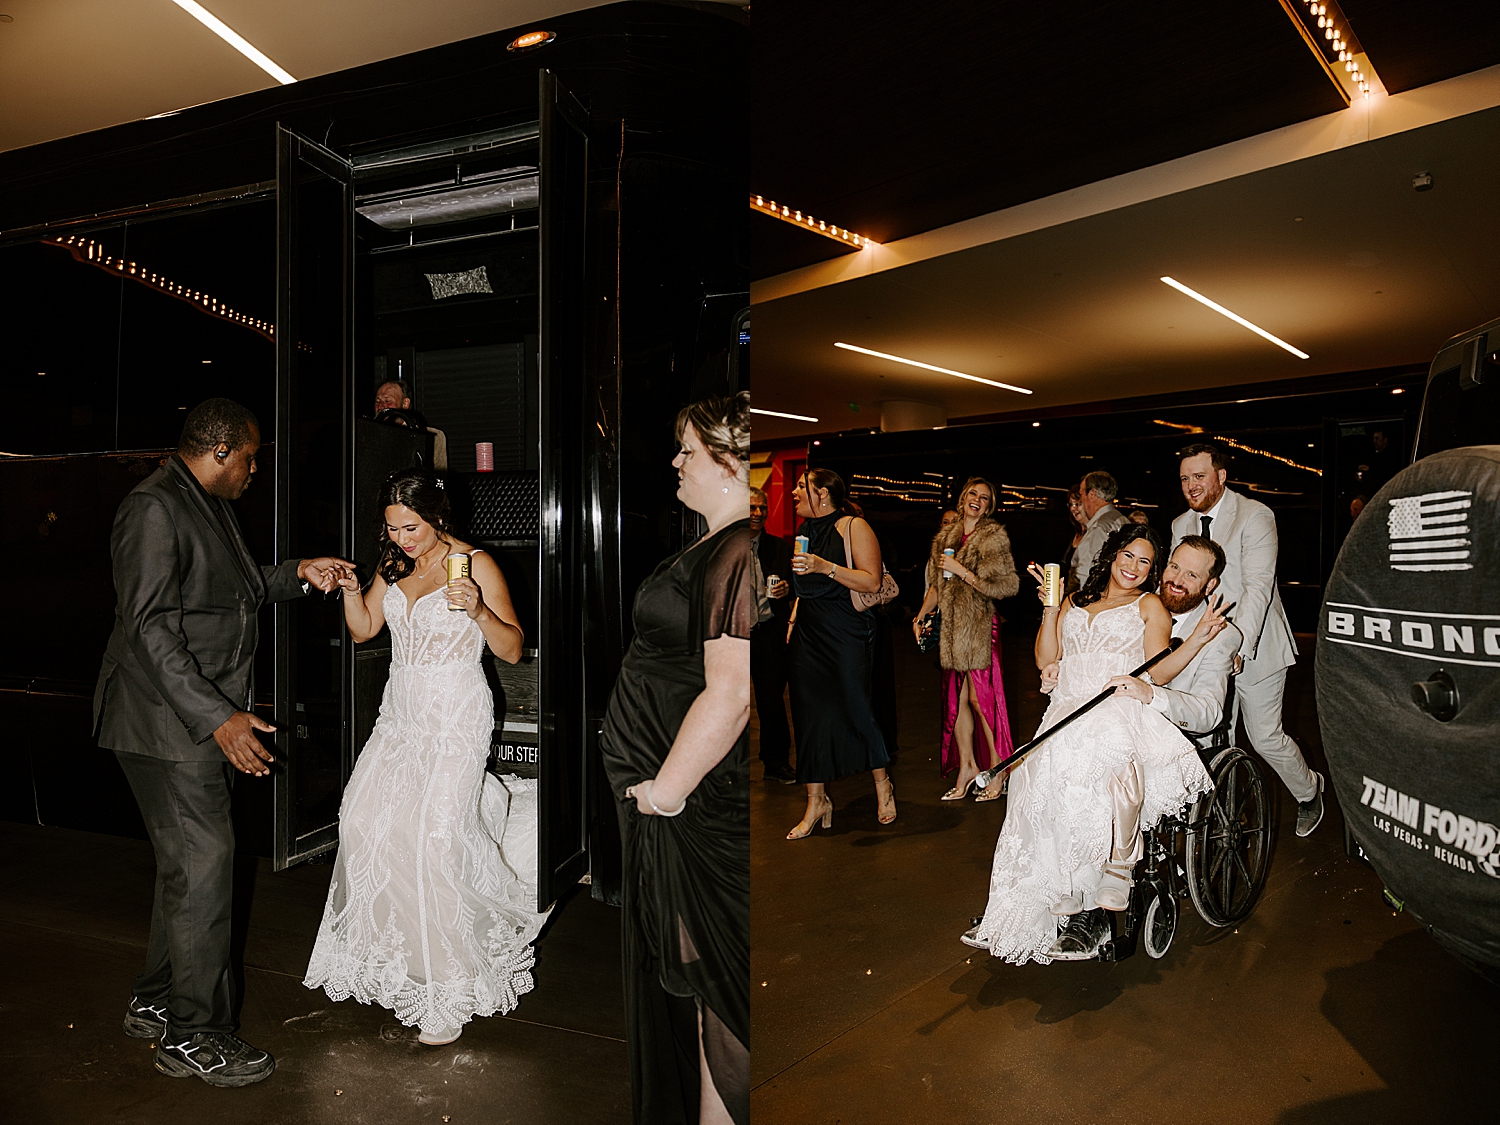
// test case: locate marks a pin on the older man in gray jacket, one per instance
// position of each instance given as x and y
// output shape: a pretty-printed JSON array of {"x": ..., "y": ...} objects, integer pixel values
[
  {"x": 1246, "y": 530},
  {"x": 173, "y": 702}
]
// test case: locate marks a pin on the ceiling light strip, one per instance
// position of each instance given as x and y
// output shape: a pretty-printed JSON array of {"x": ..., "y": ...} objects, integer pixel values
[
  {"x": 930, "y": 367},
  {"x": 1325, "y": 29},
  {"x": 91, "y": 253},
  {"x": 238, "y": 42},
  {"x": 1222, "y": 311},
  {"x": 781, "y": 414},
  {"x": 807, "y": 222}
]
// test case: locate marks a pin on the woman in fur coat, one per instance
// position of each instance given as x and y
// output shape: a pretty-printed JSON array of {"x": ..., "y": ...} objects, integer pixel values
[{"x": 964, "y": 586}]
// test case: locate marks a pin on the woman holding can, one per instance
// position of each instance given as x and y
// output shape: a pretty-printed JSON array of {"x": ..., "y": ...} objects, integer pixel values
[
  {"x": 677, "y": 756},
  {"x": 970, "y": 568},
  {"x": 431, "y": 908},
  {"x": 832, "y": 651}
]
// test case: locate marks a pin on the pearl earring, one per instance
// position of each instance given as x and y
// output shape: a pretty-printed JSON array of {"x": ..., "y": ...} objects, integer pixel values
[{"x": 725, "y": 490}]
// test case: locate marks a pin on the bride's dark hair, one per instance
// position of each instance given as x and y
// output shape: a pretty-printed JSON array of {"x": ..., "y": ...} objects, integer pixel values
[
  {"x": 1098, "y": 580},
  {"x": 423, "y": 493}
]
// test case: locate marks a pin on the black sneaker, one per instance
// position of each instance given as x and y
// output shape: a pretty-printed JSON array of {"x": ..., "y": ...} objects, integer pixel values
[
  {"x": 1310, "y": 812},
  {"x": 217, "y": 1057},
  {"x": 145, "y": 1021},
  {"x": 1081, "y": 938},
  {"x": 784, "y": 774}
]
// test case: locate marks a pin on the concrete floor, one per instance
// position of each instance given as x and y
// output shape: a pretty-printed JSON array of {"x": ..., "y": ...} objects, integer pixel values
[
  {"x": 72, "y": 936},
  {"x": 1323, "y": 1007}
]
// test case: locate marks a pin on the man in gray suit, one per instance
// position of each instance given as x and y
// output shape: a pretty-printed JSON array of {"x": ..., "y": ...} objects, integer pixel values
[
  {"x": 1246, "y": 530},
  {"x": 174, "y": 703},
  {"x": 1096, "y": 495}
]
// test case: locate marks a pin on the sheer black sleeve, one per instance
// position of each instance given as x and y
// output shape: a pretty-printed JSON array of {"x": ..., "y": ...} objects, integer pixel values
[{"x": 724, "y": 595}]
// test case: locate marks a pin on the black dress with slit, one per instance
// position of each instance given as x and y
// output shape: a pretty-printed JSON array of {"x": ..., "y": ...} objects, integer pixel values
[
  {"x": 830, "y": 661},
  {"x": 686, "y": 923}
]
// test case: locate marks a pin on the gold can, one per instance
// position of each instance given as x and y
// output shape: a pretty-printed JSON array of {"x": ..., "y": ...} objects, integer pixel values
[
  {"x": 458, "y": 567},
  {"x": 1052, "y": 585}
]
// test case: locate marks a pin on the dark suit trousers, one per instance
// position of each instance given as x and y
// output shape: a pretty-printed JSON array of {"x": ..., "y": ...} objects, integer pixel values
[
  {"x": 186, "y": 809},
  {"x": 768, "y": 671}
]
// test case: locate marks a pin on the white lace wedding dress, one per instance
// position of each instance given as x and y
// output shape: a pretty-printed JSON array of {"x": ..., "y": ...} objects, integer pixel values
[
  {"x": 431, "y": 911},
  {"x": 1058, "y": 826}
]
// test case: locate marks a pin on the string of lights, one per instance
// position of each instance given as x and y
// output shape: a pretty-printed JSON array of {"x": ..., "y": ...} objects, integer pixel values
[
  {"x": 1185, "y": 428},
  {"x": 807, "y": 222},
  {"x": 92, "y": 253}
]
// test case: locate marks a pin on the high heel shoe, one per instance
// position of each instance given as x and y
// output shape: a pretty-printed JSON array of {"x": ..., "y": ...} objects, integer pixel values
[
  {"x": 826, "y": 821},
  {"x": 994, "y": 791},
  {"x": 890, "y": 796},
  {"x": 957, "y": 794}
]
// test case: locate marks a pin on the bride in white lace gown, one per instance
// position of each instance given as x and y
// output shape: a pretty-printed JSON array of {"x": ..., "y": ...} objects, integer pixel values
[
  {"x": 431, "y": 911},
  {"x": 1061, "y": 821}
]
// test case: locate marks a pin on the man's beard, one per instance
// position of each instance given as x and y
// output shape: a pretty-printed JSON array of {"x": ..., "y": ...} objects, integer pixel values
[{"x": 1187, "y": 604}]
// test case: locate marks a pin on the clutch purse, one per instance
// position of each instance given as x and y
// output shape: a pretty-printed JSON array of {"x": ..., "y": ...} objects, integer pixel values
[{"x": 927, "y": 636}]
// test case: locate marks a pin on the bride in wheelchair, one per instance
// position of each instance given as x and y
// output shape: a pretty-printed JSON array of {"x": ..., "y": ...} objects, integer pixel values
[{"x": 1073, "y": 827}]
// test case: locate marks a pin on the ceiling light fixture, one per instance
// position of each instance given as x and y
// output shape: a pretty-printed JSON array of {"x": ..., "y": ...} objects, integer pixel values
[
  {"x": 1355, "y": 77},
  {"x": 530, "y": 39},
  {"x": 238, "y": 42},
  {"x": 91, "y": 253},
  {"x": 781, "y": 414},
  {"x": 930, "y": 367},
  {"x": 807, "y": 222},
  {"x": 1222, "y": 311}
]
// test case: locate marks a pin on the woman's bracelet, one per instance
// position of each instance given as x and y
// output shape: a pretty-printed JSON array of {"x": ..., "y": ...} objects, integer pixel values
[{"x": 660, "y": 811}]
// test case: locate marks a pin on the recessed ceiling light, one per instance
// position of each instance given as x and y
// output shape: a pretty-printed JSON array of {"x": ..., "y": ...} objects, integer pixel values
[
  {"x": 1398, "y": 390},
  {"x": 1222, "y": 311},
  {"x": 206, "y": 361},
  {"x": 930, "y": 367},
  {"x": 780, "y": 414},
  {"x": 238, "y": 42},
  {"x": 530, "y": 39},
  {"x": 1034, "y": 425}
]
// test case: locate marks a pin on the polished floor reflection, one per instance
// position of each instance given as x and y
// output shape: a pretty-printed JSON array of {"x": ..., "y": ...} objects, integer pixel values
[
  {"x": 1323, "y": 1007},
  {"x": 73, "y": 936}
]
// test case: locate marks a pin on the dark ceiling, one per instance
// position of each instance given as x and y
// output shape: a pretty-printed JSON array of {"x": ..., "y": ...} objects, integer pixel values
[
  {"x": 1414, "y": 42},
  {"x": 892, "y": 123}
]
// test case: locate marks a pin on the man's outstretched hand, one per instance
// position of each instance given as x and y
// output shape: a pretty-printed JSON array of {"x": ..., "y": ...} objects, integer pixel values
[
  {"x": 324, "y": 573},
  {"x": 236, "y": 737}
]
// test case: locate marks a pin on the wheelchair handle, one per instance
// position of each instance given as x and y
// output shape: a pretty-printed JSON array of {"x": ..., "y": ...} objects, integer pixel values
[{"x": 989, "y": 775}]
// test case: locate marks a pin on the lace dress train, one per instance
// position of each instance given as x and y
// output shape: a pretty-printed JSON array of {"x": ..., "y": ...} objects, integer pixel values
[
  {"x": 431, "y": 911},
  {"x": 1059, "y": 822}
]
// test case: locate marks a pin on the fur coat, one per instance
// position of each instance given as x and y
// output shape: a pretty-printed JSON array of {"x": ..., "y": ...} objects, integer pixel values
[{"x": 964, "y": 642}]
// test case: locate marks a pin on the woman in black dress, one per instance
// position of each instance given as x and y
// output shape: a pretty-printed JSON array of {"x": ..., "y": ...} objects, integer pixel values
[
  {"x": 832, "y": 651},
  {"x": 677, "y": 756}
]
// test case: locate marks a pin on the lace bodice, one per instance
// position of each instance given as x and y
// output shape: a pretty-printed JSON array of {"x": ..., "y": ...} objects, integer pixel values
[
  {"x": 1110, "y": 643},
  {"x": 431, "y": 635}
]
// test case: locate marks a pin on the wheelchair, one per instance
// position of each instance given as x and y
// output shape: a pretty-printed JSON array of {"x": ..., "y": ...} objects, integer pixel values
[{"x": 1217, "y": 853}]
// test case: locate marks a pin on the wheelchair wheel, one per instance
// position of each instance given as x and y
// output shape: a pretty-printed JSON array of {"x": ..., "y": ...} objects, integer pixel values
[
  {"x": 1159, "y": 925},
  {"x": 1229, "y": 840}
]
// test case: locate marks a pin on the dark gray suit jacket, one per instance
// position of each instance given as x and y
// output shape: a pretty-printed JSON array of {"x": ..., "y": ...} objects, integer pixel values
[{"x": 179, "y": 660}]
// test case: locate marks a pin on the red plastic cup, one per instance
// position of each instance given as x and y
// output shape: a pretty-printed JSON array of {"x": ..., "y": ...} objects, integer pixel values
[{"x": 484, "y": 457}]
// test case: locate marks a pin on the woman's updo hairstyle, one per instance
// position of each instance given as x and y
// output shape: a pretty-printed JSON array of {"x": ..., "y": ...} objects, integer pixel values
[
  {"x": 818, "y": 479},
  {"x": 423, "y": 493},
  {"x": 722, "y": 424},
  {"x": 1121, "y": 537}
]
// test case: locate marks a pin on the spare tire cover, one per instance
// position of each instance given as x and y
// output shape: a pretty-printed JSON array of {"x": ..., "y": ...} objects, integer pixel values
[{"x": 1416, "y": 590}]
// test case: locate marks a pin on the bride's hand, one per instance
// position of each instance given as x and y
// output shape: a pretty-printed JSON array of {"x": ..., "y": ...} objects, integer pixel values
[
  {"x": 464, "y": 594},
  {"x": 347, "y": 581}
]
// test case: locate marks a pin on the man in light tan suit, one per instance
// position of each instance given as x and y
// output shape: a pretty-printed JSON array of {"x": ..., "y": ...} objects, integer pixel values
[{"x": 1246, "y": 530}]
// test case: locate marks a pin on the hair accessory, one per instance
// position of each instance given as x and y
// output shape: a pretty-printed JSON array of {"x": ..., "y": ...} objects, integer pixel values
[{"x": 439, "y": 483}]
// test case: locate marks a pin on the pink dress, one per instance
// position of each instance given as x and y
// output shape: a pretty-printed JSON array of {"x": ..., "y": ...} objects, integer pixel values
[{"x": 989, "y": 693}]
